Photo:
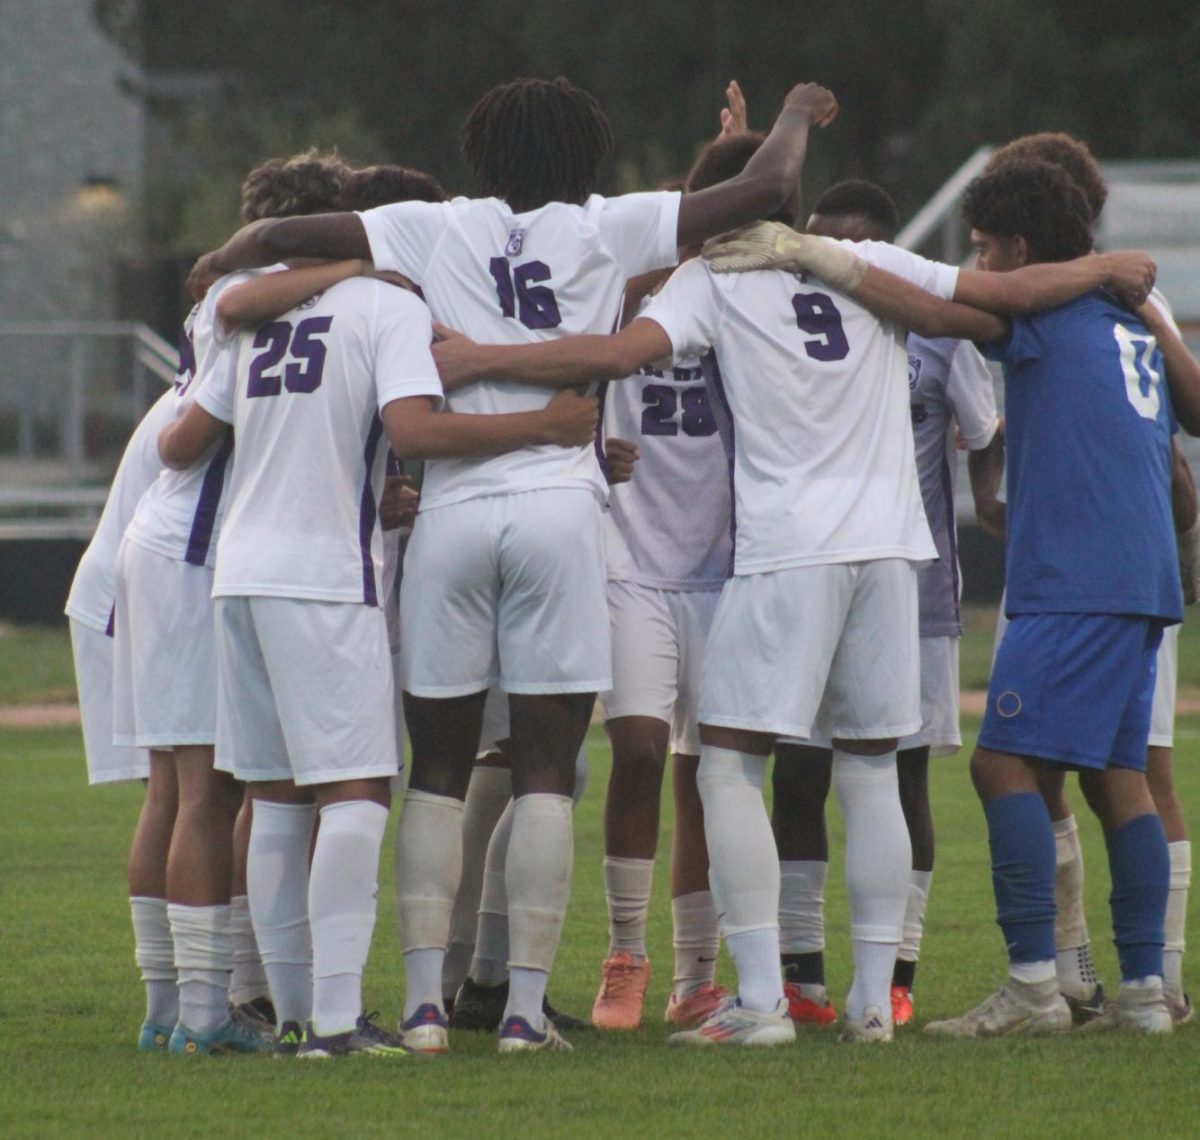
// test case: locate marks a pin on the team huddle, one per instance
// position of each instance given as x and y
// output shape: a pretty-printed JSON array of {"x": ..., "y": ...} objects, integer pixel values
[{"x": 669, "y": 458}]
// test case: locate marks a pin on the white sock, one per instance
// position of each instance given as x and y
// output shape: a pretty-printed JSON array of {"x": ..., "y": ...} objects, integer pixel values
[
  {"x": 429, "y": 844},
  {"x": 342, "y": 888},
  {"x": 755, "y": 953},
  {"x": 581, "y": 775},
  {"x": 743, "y": 867},
  {"x": 914, "y": 915},
  {"x": 1032, "y": 973},
  {"x": 204, "y": 961},
  {"x": 538, "y": 879},
  {"x": 249, "y": 980},
  {"x": 277, "y": 887},
  {"x": 423, "y": 973},
  {"x": 526, "y": 992},
  {"x": 878, "y": 870},
  {"x": 1181, "y": 876},
  {"x": 802, "y": 906},
  {"x": 1070, "y": 924},
  {"x": 627, "y": 885},
  {"x": 154, "y": 952},
  {"x": 697, "y": 938},
  {"x": 489, "y": 966},
  {"x": 487, "y": 796}
]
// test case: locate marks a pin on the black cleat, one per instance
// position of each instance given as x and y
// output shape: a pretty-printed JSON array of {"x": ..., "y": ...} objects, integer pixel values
[
  {"x": 365, "y": 1037},
  {"x": 479, "y": 1008},
  {"x": 1088, "y": 1008}
]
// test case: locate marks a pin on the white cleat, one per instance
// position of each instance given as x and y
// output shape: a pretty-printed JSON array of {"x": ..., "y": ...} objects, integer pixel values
[
  {"x": 872, "y": 1027},
  {"x": 1180, "y": 1005},
  {"x": 732, "y": 1024},
  {"x": 1016, "y": 1009},
  {"x": 518, "y": 1036},
  {"x": 1137, "y": 1009}
]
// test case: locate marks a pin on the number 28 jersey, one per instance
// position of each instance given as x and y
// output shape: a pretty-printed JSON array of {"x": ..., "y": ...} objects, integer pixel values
[
  {"x": 505, "y": 278},
  {"x": 816, "y": 392},
  {"x": 309, "y": 467}
]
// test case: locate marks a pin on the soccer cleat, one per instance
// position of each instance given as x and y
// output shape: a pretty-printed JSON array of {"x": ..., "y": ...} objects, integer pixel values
[
  {"x": 695, "y": 1008},
  {"x": 902, "y": 1005},
  {"x": 291, "y": 1037},
  {"x": 479, "y": 1007},
  {"x": 805, "y": 1010},
  {"x": 1016, "y": 1009},
  {"x": 427, "y": 1031},
  {"x": 731, "y": 1024},
  {"x": 365, "y": 1037},
  {"x": 1181, "y": 1008},
  {"x": 623, "y": 984},
  {"x": 228, "y": 1037},
  {"x": 1088, "y": 1008},
  {"x": 261, "y": 1009},
  {"x": 154, "y": 1038},
  {"x": 1137, "y": 1009},
  {"x": 518, "y": 1036},
  {"x": 872, "y": 1027},
  {"x": 563, "y": 1022}
]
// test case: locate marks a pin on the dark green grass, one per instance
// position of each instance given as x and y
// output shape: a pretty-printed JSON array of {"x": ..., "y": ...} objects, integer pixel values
[
  {"x": 70, "y": 1010},
  {"x": 35, "y": 665}
]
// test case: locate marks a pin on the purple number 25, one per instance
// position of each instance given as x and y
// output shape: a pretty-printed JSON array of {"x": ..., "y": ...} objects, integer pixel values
[{"x": 305, "y": 354}]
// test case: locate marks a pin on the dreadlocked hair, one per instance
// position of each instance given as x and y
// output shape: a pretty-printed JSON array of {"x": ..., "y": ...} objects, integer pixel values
[
  {"x": 384, "y": 184},
  {"x": 1036, "y": 200},
  {"x": 535, "y": 141},
  {"x": 307, "y": 183}
]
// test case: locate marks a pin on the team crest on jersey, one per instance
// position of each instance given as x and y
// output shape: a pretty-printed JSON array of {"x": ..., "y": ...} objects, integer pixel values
[
  {"x": 516, "y": 239},
  {"x": 914, "y": 372},
  {"x": 311, "y": 301}
]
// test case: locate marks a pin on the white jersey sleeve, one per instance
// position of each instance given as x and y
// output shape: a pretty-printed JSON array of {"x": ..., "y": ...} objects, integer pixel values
[
  {"x": 404, "y": 235},
  {"x": 640, "y": 229},
  {"x": 932, "y": 276},
  {"x": 688, "y": 309},
  {"x": 403, "y": 363},
  {"x": 972, "y": 396}
]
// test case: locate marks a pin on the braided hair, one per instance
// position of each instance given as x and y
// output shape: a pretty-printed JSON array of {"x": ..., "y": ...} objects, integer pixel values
[{"x": 535, "y": 141}]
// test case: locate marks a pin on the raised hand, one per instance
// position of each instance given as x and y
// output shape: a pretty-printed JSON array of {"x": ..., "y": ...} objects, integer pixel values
[
  {"x": 820, "y": 102},
  {"x": 733, "y": 116}
]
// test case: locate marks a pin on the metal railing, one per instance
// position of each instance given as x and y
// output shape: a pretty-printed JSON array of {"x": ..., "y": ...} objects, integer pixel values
[{"x": 939, "y": 219}]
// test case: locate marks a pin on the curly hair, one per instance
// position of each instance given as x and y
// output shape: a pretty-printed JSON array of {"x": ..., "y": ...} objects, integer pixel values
[
  {"x": 857, "y": 198},
  {"x": 722, "y": 159},
  {"x": 1061, "y": 149},
  {"x": 535, "y": 141},
  {"x": 383, "y": 184},
  {"x": 307, "y": 183},
  {"x": 1035, "y": 200}
]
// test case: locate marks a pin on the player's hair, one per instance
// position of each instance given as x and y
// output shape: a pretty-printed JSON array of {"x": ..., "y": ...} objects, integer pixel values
[
  {"x": 1035, "y": 200},
  {"x": 722, "y": 159},
  {"x": 857, "y": 198},
  {"x": 383, "y": 184},
  {"x": 535, "y": 141},
  {"x": 307, "y": 183},
  {"x": 1061, "y": 149}
]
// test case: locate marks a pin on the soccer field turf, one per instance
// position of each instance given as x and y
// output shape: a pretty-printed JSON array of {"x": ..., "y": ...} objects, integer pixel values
[{"x": 71, "y": 1006}]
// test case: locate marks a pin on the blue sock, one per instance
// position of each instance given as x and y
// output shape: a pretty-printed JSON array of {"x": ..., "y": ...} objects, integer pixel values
[
  {"x": 1141, "y": 876},
  {"x": 1022, "y": 843}
]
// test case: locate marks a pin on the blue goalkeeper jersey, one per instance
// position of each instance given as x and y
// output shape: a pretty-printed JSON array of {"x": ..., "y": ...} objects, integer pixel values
[{"x": 1089, "y": 425}]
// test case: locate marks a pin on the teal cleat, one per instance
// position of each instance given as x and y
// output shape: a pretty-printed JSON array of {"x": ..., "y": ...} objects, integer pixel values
[
  {"x": 228, "y": 1037},
  {"x": 154, "y": 1037}
]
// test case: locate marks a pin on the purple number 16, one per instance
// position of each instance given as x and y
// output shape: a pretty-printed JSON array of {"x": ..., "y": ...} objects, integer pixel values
[
  {"x": 306, "y": 364},
  {"x": 520, "y": 295}
]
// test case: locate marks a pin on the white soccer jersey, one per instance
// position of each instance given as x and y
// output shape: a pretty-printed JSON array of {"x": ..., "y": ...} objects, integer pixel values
[
  {"x": 814, "y": 387},
  {"x": 505, "y": 278},
  {"x": 95, "y": 584},
  {"x": 180, "y": 514},
  {"x": 673, "y": 519},
  {"x": 948, "y": 384},
  {"x": 309, "y": 469}
]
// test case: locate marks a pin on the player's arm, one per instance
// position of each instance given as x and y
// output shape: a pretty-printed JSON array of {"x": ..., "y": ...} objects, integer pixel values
[
  {"x": 551, "y": 364},
  {"x": 185, "y": 440},
  {"x": 986, "y": 470},
  {"x": 1183, "y": 371},
  {"x": 418, "y": 430},
  {"x": 270, "y": 295},
  {"x": 328, "y": 236},
  {"x": 1032, "y": 288},
  {"x": 770, "y": 177}
]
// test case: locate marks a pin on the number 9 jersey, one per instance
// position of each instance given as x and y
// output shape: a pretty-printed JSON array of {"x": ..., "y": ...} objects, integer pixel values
[{"x": 303, "y": 394}]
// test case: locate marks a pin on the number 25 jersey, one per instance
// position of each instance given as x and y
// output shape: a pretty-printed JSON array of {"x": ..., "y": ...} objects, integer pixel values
[
  {"x": 816, "y": 391},
  {"x": 505, "y": 278}
]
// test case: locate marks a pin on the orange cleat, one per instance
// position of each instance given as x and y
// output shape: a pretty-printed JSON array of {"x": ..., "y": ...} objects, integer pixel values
[
  {"x": 697, "y": 1007},
  {"x": 902, "y": 1005},
  {"x": 804, "y": 1011},
  {"x": 623, "y": 984}
]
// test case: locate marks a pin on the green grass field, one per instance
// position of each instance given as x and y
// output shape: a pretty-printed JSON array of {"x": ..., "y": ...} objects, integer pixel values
[{"x": 70, "y": 1005}]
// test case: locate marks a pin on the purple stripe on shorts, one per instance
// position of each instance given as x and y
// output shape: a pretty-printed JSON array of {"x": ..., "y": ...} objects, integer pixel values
[
  {"x": 713, "y": 372},
  {"x": 952, "y": 535},
  {"x": 112, "y": 618},
  {"x": 368, "y": 514},
  {"x": 205, "y": 518}
]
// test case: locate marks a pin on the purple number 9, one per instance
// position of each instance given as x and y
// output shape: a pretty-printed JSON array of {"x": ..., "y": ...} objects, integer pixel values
[{"x": 817, "y": 314}]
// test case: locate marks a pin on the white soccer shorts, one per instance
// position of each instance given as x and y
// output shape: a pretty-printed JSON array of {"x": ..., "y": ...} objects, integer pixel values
[
  {"x": 939, "y": 731},
  {"x": 305, "y": 691},
  {"x": 106, "y": 762},
  {"x": 658, "y": 639},
  {"x": 495, "y": 728},
  {"x": 506, "y": 590},
  {"x": 164, "y": 652},
  {"x": 815, "y": 652}
]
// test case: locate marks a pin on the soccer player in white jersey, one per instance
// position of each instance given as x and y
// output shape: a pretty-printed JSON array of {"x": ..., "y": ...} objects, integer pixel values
[
  {"x": 304, "y": 665},
  {"x": 165, "y": 660},
  {"x": 507, "y": 552},
  {"x": 90, "y": 609},
  {"x": 951, "y": 392}
]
